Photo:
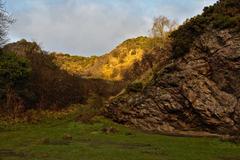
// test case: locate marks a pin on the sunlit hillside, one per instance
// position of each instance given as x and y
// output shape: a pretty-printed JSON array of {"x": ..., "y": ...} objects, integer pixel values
[{"x": 111, "y": 66}]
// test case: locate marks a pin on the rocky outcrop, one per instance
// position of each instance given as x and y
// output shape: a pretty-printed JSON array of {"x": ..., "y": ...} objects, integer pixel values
[{"x": 197, "y": 92}]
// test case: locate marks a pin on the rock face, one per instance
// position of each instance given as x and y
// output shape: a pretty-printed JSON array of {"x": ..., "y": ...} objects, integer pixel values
[{"x": 197, "y": 92}]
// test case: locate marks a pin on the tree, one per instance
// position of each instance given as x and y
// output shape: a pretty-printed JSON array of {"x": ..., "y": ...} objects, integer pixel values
[
  {"x": 5, "y": 21},
  {"x": 162, "y": 27}
]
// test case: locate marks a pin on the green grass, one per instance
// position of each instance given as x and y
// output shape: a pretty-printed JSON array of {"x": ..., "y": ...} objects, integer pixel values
[{"x": 44, "y": 141}]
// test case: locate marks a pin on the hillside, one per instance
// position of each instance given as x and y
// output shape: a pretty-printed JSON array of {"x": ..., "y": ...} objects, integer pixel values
[
  {"x": 60, "y": 80},
  {"x": 126, "y": 62},
  {"x": 44, "y": 85},
  {"x": 197, "y": 88}
]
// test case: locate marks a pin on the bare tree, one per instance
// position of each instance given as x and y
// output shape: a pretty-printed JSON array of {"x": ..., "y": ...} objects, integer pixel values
[
  {"x": 162, "y": 27},
  {"x": 5, "y": 21}
]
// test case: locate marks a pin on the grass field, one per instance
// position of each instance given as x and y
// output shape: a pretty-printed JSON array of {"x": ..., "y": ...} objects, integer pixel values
[{"x": 69, "y": 140}]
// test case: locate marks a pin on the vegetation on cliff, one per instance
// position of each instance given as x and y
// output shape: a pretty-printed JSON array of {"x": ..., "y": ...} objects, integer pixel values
[{"x": 224, "y": 14}]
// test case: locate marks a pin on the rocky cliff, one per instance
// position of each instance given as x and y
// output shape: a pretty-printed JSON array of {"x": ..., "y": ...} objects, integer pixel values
[{"x": 198, "y": 91}]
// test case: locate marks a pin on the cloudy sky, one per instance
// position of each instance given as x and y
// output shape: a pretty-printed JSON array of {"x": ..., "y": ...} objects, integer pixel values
[{"x": 92, "y": 27}]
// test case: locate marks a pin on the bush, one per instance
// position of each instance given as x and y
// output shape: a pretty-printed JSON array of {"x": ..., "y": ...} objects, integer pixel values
[
  {"x": 13, "y": 68},
  {"x": 14, "y": 72}
]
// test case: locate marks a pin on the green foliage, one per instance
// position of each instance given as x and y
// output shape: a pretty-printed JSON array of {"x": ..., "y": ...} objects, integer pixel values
[
  {"x": 224, "y": 14},
  {"x": 135, "y": 87},
  {"x": 223, "y": 21},
  {"x": 14, "y": 72},
  {"x": 13, "y": 68}
]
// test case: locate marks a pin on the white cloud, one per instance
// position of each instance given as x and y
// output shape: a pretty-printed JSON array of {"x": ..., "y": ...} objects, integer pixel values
[
  {"x": 88, "y": 27},
  {"x": 76, "y": 28}
]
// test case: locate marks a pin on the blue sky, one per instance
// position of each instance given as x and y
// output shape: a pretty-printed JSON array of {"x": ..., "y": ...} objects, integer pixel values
[{"x": 92, "y": 27}]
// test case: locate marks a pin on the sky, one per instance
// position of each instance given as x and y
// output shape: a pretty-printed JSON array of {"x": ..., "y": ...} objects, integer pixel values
[{"x": 92, "y": 27}]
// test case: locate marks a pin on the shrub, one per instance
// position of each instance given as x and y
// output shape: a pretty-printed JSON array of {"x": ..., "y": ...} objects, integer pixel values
[
  {"x": 14, "y": 74},
  {"x": 14, "y": 71},
  {"x": 13, "y": 68}
]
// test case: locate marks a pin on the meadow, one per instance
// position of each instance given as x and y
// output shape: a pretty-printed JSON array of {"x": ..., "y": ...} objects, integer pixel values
[{"x": 68, "y": 139}]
